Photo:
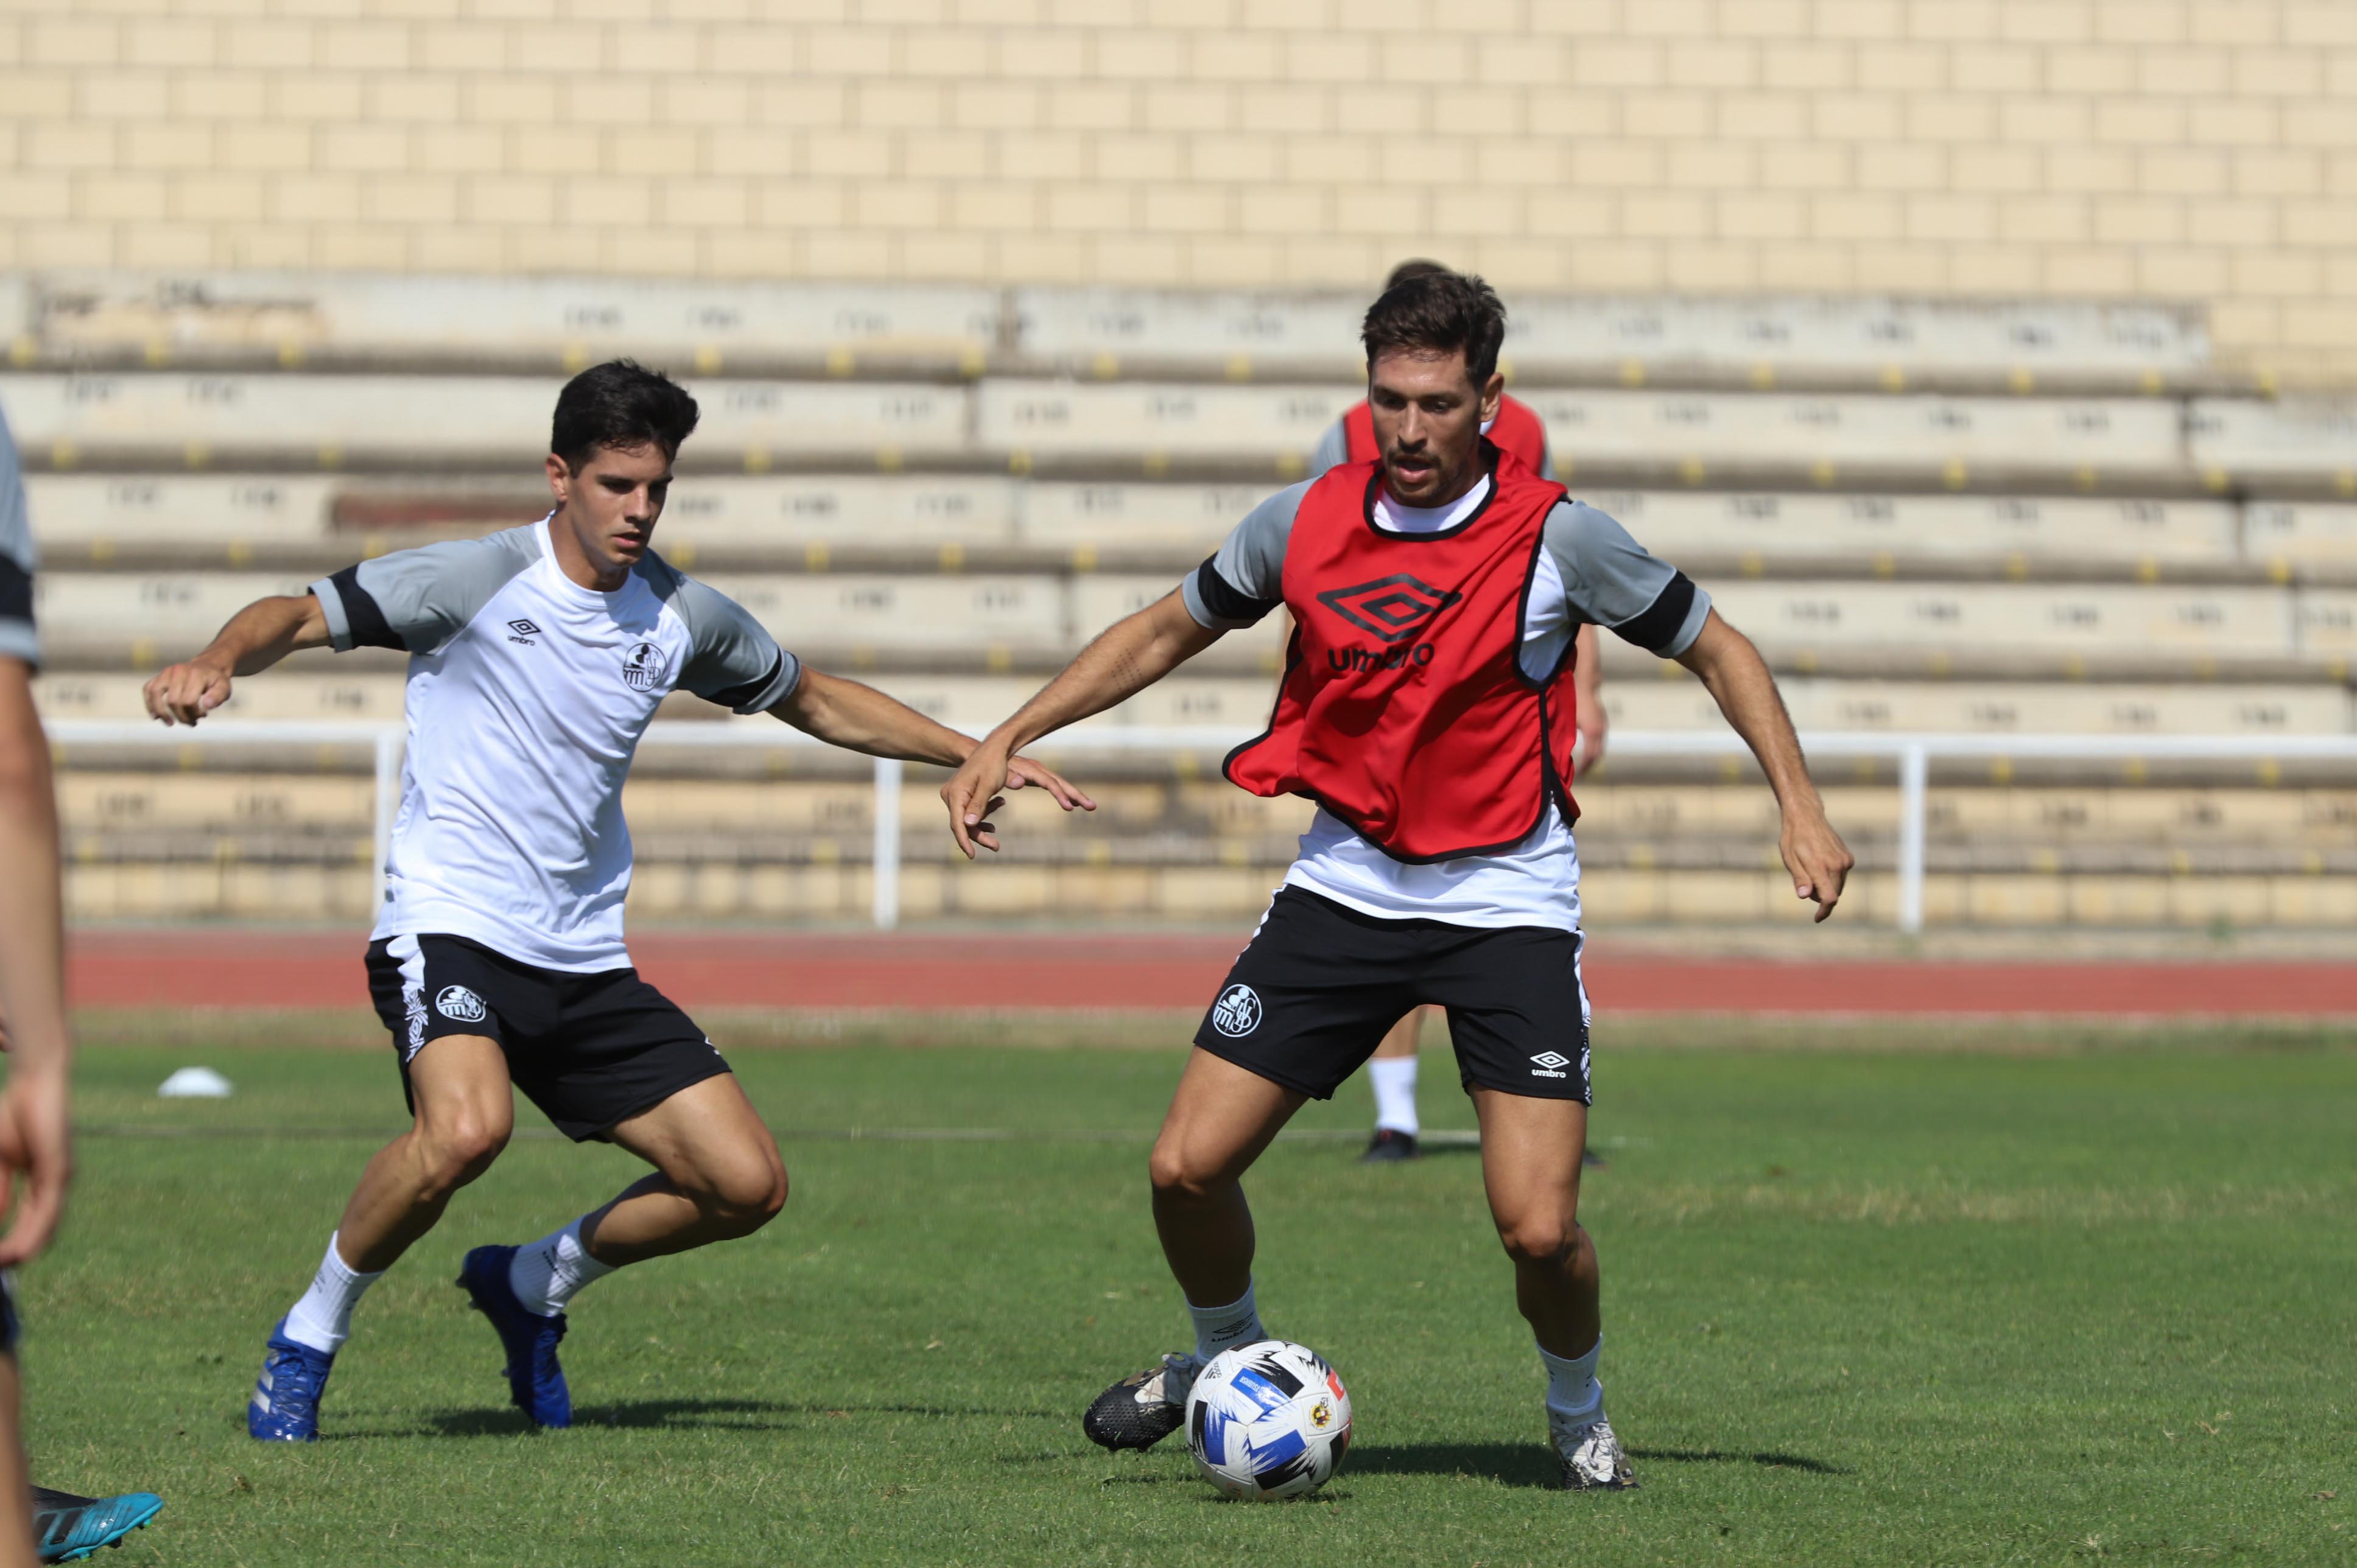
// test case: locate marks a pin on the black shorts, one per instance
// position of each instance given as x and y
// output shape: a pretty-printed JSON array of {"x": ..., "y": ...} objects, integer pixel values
[
  {"x": 11, "y": 1326},
  {"x": 589, "y": 1049},
  {"x": 1313, "y": 995}
]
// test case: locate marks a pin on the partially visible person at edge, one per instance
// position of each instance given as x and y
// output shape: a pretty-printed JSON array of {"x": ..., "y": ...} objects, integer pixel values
[
  {"x": 1518, "y": 429},
  {"x": 36, "y": 1149}
]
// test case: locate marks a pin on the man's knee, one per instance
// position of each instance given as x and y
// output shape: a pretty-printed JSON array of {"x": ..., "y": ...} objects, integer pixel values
[
  {"x": 747, "y": 1194},
  {"x": 1541, "y": 1239},
  {"x": 1177, "y": 1174},
  {"x": 458, "y": 1147}
]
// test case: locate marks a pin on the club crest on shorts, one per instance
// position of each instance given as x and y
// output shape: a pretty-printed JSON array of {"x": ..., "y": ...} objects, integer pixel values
[
  {"x": 642, "y": 666},
  {"x": 1237, "y": 1011},
  {"x": 457, "y": 1002},
  {"x": 1550, "y": 1065}
]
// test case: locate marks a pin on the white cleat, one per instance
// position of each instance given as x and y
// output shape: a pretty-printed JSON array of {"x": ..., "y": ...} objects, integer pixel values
[{"x": 1593, "y": 1459}]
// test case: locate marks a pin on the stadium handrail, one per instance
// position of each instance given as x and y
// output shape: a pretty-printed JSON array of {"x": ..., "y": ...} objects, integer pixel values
[{"x": 1913, "y": 752}]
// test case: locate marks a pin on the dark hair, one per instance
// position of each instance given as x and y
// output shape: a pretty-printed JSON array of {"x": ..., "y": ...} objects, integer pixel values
[
  {"x": 620, "y": 404},
  {"x": 1417, "y": 267},
  {"x": 1440, "y": 313}
]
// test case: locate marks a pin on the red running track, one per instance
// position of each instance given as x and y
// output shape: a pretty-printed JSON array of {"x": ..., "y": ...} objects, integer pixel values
[{"x": 939, "y": 971}]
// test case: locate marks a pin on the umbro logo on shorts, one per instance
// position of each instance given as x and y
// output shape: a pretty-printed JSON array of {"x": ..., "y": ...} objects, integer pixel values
[
  {"x": 1237, "y": 1011},
  {"x": 1551, "y": 1065},
  {"x": 1395, "y": 609},
  {"x": 457, "y": 1002}
]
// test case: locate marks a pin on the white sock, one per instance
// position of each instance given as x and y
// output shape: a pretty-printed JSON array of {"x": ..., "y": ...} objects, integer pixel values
[
  {"x": 323, "y": 1318},
  {"x": 1394, "y": 1082},
  {"x": 1574, "y": 1396},
  {"x": 552, "y": 1270},
  {"x": 1218, "y": 1327}
]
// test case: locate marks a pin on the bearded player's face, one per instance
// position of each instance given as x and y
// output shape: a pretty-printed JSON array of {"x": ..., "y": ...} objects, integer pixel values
[{"x": 1428, "y": 416}]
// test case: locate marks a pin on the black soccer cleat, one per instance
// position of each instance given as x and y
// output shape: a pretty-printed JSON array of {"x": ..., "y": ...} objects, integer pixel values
[
  {"x": 1143, "y": 1408},
  {"x": 1389, "y": 1147}
]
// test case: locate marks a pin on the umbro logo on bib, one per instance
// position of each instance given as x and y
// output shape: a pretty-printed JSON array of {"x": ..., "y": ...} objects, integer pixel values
[{"x": 1395, "y": 609}]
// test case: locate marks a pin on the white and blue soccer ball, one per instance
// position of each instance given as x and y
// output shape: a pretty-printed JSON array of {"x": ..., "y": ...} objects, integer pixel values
[{"x": 1267, "y": 1420}]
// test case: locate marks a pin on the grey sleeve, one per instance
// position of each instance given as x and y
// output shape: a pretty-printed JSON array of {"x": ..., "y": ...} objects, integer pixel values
[
  {"x": 732, "y": 661},
  {"x": 1609, "y": 578},
  {"x": 1244, "y": 579},
  {"x": 417, "y": 600},
  {"x": 17, "y": 638},
  {"x": 1333, "y": 449}
]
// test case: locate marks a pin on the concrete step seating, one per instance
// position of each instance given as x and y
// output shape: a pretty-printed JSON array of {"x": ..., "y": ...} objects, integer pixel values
[
  {"x": 993, "y": 618},
  {"x": 298, "y": 422},
  {"x": 1232, "y": 898},
  {"x": 942, "y": 522},
  {"x": 266, "y": 846},
  {"x": 314, "y": 688},
  {"x": 289, "y": 317}
]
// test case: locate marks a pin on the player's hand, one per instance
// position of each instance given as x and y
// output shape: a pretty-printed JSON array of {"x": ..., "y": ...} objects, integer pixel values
[
  {"x": 972, "y": 795},
  {"x": 1022, "y": 772},
  {"x": 36, "y": 1162},
  {"x": 1820, "y": 862},
  {"x": 186, "y": 693}
]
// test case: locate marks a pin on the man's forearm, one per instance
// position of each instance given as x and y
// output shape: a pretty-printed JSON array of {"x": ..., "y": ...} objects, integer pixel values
[
  {"x": 1738, "y": 680},
  {"x": 262, "y": 633},
  {"x": 861, "y": 718},
  {"x": 1129, "y": 656},
  {"x": 32, "y": 957}
]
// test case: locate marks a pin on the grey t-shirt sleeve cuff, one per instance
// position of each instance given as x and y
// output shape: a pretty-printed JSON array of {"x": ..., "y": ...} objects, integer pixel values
[
  {"x": 760, "y": 697},
  {"x": 331, "y": 605},
  {"x": 1218, "y": 605},
  {"x": 1691, "y": 628},
  {"x": 19, "y": 641}
]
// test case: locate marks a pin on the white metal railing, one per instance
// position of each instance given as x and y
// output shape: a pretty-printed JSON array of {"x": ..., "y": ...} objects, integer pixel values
[{"x": 1914, "y": 753}]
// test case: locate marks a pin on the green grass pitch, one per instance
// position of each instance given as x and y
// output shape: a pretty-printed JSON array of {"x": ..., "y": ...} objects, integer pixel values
[{"x": 1868, "y": 1305}]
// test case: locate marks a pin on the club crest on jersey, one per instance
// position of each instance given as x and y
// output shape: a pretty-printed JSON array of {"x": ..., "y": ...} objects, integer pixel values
[
  {"x": 1393, "y": 608},
  {"x": 1237, "y": 1011},
  {"x": 457, "y": 1002},
  {"x": 642, "y": 666}
]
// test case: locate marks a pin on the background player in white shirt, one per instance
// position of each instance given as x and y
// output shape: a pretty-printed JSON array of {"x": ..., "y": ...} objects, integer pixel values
[{"x": 537, "y": 658}]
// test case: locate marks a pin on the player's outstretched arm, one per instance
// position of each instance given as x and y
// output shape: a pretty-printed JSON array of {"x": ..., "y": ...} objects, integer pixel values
[
  {"x": 1130, "y": 655},
  {"x": 256, "y": 638},
  {"x": 861, "y": 718},
  {"x": 1746, "y": 693},
  {"x": 34, "y": 1142}
]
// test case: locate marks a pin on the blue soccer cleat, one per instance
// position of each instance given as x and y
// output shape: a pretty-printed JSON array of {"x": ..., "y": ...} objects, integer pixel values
[
  {"x": 536, "y": 1382},
  {"x": 285, "y": 1403},
  {"x": 68, "y": 1528}
]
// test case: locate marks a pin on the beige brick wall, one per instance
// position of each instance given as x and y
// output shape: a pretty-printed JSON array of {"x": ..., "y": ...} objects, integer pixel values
[{"x": 2182, "y": 149}]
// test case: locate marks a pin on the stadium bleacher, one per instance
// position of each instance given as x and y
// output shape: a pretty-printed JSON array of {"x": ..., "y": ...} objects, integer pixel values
[{"x": 2026, "y": 518}]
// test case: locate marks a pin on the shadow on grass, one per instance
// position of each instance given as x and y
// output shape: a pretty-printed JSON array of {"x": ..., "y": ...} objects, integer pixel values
[
  {"x": 1765, "y": 1460},
  {"x": 675, "y": 1415},
  {"x": 1530, "y": 1464}
]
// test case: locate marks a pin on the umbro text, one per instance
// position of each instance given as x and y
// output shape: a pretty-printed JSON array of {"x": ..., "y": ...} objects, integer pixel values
[{"x": 1342, "y": 661}]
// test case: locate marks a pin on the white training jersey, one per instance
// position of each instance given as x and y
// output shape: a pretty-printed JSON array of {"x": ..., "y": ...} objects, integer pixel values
[
  {"x": 527, "y": 696},
  {"x": 1589, "y": 569}
]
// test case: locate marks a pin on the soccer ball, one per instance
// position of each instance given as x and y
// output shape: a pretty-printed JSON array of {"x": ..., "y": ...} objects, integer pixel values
[{"x": 1267, "y": 1420}]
